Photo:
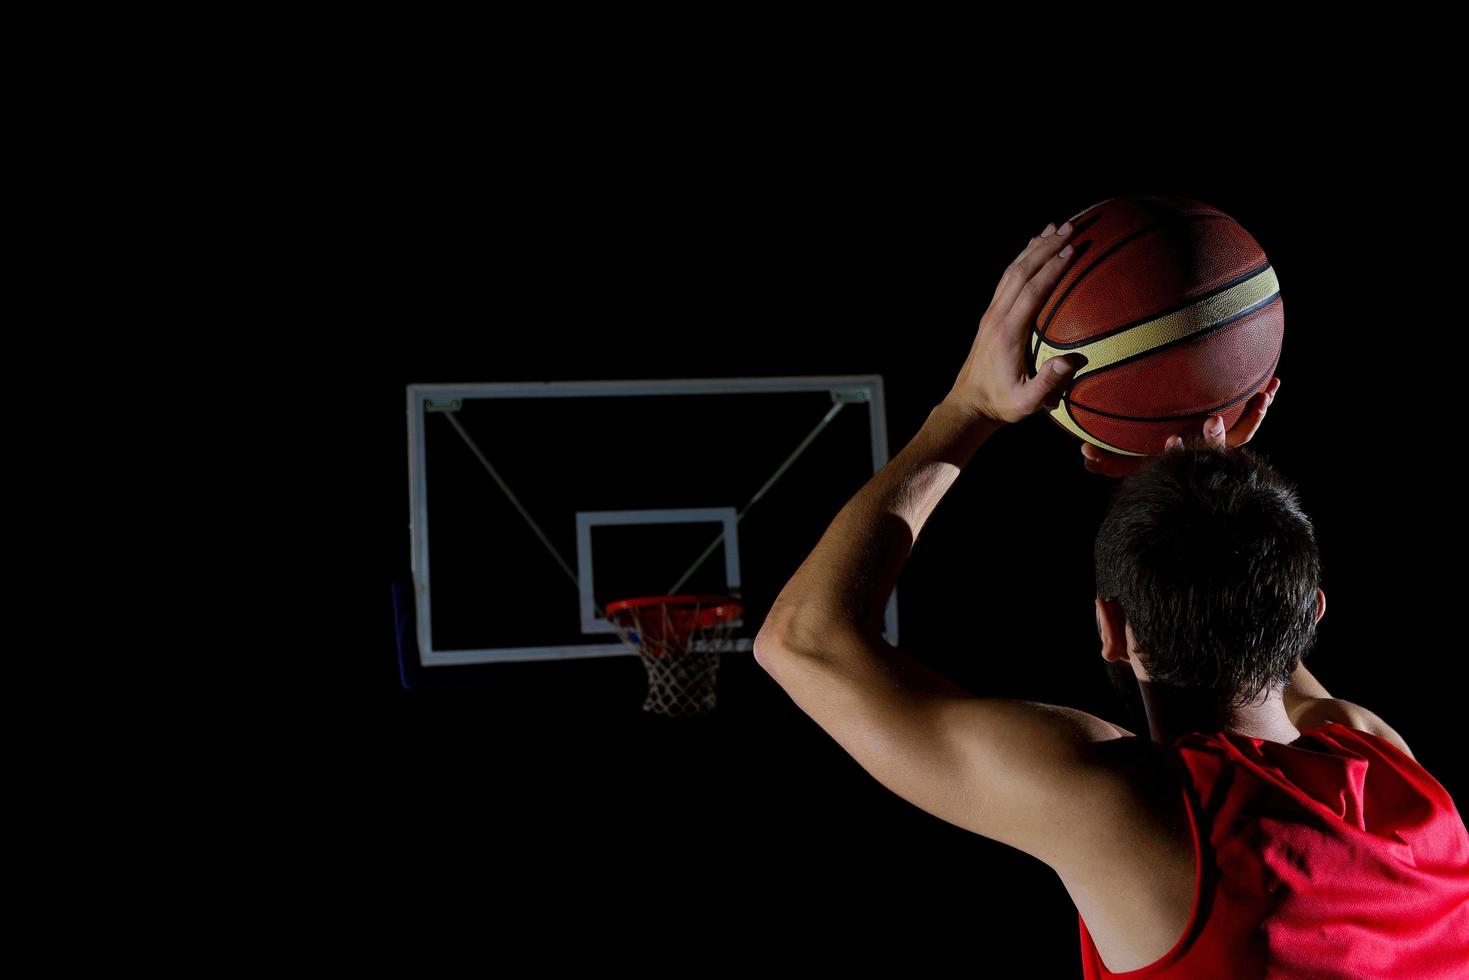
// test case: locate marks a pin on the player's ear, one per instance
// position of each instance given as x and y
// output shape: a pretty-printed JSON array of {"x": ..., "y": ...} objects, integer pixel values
[
  {"x": 1320, "y": 603},
  {"x": 1111, "y": 630}
]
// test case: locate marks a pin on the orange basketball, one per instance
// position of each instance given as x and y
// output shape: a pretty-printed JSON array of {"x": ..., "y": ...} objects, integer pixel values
[{"x": 1178, "y": 312}]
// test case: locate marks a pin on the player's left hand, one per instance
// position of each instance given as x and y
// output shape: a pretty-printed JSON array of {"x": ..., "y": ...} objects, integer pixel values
[{"x": 994, "y": 382}]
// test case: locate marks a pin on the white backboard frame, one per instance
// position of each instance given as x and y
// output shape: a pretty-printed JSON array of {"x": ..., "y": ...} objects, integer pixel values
[{"x": 866, "y": 388}]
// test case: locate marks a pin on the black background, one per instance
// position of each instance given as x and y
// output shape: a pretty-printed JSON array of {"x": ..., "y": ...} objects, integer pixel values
[{"x": 541, "y": 806}]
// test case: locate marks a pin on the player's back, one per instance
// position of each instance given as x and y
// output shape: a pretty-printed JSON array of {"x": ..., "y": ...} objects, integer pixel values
[{"x": 1335, "y": 856}]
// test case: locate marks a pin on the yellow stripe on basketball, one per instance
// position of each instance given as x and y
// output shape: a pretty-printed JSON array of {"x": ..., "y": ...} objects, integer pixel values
[{"x": 1085, "y": 210}]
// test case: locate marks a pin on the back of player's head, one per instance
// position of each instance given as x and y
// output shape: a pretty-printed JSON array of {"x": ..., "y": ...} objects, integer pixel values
[{"x": 1215, "y": 566}]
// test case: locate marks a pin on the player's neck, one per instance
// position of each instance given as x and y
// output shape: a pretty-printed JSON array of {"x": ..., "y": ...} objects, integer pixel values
[{"x": 1175, "y": 711}]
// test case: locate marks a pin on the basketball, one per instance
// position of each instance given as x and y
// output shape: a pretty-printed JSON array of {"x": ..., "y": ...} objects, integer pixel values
[{"x": 1178, "y": 313}]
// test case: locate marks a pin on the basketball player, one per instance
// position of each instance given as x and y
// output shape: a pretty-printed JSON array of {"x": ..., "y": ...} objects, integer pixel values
[{"x": 1260, "y": 827}]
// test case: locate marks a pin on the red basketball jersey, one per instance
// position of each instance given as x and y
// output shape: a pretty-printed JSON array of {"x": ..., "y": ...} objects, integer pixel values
[{"x": 1335, "y": 857}]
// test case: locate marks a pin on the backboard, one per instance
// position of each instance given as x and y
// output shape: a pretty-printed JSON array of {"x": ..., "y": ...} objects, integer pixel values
[{"x": 533, "y": 505}]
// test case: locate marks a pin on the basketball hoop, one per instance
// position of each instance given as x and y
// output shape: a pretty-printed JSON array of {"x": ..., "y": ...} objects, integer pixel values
[{"x": 679, "y": 638}]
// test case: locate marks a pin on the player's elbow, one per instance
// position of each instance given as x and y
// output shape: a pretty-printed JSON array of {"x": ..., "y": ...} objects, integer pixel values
[
  {"x": 769, "y": 646},
  {"x": 778, "y": 643}
]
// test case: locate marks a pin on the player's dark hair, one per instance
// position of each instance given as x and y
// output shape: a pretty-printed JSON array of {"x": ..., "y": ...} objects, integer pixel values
[{"x": 1216, "y": 567}]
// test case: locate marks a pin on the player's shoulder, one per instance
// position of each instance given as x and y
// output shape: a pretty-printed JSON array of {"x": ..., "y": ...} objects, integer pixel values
[{"x": 1315, "y": 712}]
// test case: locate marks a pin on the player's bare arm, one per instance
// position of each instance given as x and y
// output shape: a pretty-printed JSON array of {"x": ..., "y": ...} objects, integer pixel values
[{"x": 1032, "y": 775}]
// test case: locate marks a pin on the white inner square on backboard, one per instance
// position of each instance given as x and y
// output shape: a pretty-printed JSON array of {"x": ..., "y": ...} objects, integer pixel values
[{"x": 586, "y": 520}]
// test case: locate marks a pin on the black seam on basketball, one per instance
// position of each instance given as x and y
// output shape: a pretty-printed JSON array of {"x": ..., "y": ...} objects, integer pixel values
[
  {"x": 1249, "y": 391},
  {"x": 1145, "y": 230},
  {"x": 1076, "y": 422}
]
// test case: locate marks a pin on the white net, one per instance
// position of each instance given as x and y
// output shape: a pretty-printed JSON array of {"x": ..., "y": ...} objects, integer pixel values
[{"x": 680, "y": 640}]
